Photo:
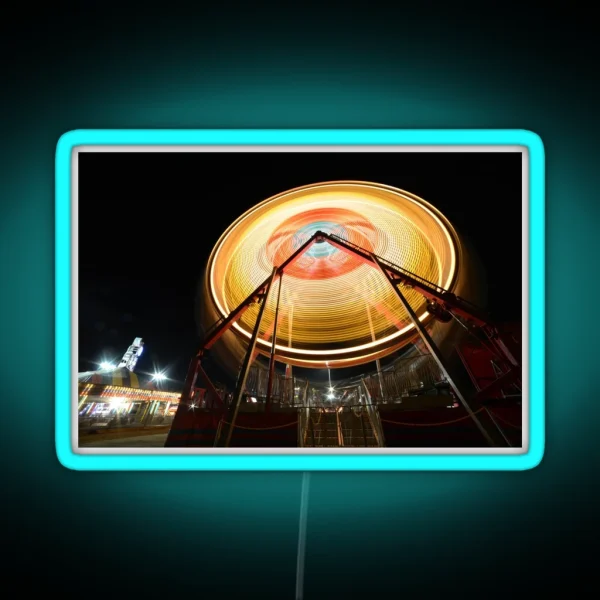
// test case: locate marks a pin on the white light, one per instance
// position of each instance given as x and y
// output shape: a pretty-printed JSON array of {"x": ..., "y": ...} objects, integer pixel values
[
  {"x": 330, "y": 396},
  {"x": 159, "y": 376},
  {"x": 331, "y": 389},
  {"x": 106, "y": 366}
]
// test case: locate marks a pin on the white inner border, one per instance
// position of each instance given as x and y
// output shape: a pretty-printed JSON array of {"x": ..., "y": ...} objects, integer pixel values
[{"x": 312, "y": 149}]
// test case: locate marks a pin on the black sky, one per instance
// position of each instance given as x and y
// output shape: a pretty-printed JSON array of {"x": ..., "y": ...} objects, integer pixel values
[{"x": 148, "y": 221}]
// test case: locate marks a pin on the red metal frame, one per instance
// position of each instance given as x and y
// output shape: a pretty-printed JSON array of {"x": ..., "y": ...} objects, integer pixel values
[{"x": 477, "y": 360}]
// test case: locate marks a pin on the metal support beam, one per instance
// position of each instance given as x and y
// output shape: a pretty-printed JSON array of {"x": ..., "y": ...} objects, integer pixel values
[
  {"x": 222, "y": 326},
  {"x": 297, "y": 254},
  {"x": 288, "y": 367},
  {"x": 427, "y": 289},
  {"x": 502, "y": 346},
  {"x": 272, "y": 357},
  {"x": 266, "y": 335},
  {"x": 372, "y": 413},
  {"x": 190, "y": 381},
  {"x": 496, "y": 386},
  {"x": 491, "y": 434},
  {"x": 211, "y": 388},
  {"x": 491, "y": 416},
  {"x": 340, "y": 433},
  {"x": 241, "y": 384},
  {"x": 377, "y": 361}
]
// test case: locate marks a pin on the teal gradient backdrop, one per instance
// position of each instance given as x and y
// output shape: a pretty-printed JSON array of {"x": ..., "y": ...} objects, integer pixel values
[
  {"x": 66, "y": 147},
  {"x": 226, "y": 528}
]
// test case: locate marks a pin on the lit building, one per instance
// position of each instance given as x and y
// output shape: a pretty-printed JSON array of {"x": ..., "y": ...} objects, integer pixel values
[{"x": 116, "y": 396}]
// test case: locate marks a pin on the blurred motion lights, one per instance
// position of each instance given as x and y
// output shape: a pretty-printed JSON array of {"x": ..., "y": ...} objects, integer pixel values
[{"x": 335, "y": 310}]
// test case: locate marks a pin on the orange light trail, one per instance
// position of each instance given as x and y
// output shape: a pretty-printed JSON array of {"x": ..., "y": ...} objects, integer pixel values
[{"x": 326, "y": 288}]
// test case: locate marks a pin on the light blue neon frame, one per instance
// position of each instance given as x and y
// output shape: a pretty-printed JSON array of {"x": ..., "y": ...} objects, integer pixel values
[{"x": 299, "y": 462}]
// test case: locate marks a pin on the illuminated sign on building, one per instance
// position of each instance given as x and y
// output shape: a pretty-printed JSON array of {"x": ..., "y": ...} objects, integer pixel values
[{"x": 132, "y": 355}]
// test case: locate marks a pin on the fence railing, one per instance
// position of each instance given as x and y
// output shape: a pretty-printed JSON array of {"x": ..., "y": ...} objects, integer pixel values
[
  {"x": 284, "y": 390},
  {"x": 410, "y": 376}
]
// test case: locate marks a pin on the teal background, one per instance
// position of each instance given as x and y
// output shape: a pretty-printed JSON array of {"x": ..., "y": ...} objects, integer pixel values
[{"x": 212, "y": 533}]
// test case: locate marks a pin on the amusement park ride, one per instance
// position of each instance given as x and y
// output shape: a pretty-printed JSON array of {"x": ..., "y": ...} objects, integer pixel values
[{"x": 214, "y": 422}]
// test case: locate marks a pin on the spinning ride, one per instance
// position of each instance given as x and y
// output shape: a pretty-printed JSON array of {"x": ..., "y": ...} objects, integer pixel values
[{"x": 335, "y": 310}]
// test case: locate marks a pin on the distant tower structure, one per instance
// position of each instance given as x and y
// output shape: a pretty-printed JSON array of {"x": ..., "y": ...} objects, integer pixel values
[{"x": 132, "y": 355}]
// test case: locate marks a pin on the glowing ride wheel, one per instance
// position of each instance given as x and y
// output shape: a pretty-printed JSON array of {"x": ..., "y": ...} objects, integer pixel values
[{"x": 334, "y": 310}]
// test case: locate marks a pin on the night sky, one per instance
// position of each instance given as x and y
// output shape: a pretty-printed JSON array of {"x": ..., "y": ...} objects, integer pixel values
[{"x": 148, "y": 221}]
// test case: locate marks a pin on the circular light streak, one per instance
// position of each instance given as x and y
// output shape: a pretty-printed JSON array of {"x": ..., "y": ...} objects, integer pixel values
[{"x": 335, "y": 310}]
